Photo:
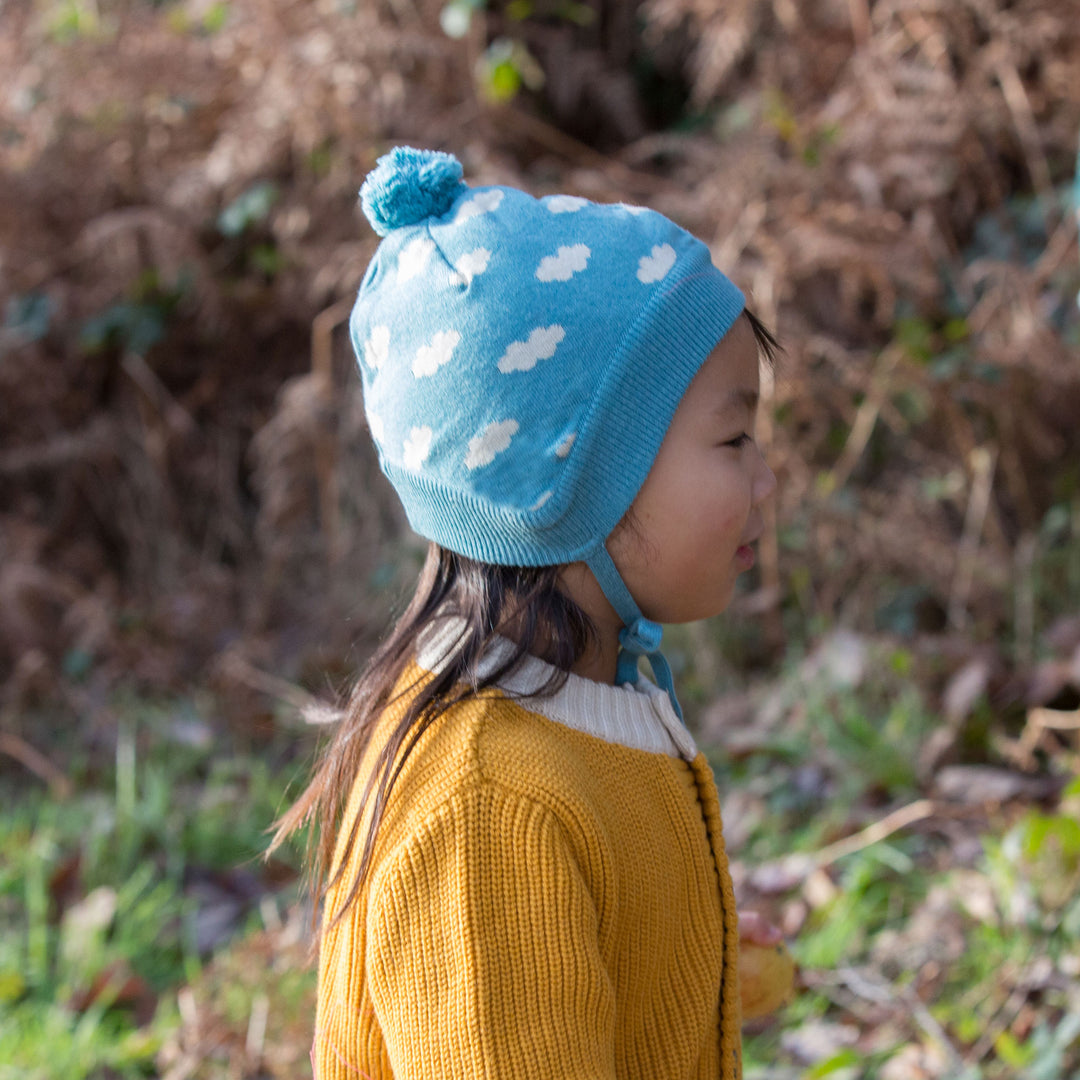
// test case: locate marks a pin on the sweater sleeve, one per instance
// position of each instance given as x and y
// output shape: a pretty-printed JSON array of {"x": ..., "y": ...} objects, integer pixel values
[{"x": 483, "y": 954}]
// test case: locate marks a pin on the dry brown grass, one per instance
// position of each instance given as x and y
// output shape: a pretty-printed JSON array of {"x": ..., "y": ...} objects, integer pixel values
[{"x": 845, "y": 158}]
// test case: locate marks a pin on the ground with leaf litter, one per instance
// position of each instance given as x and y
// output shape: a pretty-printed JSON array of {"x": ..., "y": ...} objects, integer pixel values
[{"x": 196, "y": 545}]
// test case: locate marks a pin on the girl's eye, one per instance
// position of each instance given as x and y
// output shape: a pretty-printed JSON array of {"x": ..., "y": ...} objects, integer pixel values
[{"x": 739, "y": 441}]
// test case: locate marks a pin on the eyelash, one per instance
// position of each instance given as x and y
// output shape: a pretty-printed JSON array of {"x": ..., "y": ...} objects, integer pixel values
[{"x": 739, "y": 441}]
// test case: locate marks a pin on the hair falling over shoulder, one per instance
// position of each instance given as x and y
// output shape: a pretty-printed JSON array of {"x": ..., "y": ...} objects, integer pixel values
[{"x": 523, "y": 603}]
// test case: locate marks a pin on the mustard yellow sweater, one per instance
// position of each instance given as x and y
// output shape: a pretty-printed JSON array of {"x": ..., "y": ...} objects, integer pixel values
[{"x": 549, "y": 899}]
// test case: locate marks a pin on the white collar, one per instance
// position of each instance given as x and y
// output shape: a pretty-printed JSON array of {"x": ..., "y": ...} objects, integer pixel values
[{"x": 638, "y": 716}]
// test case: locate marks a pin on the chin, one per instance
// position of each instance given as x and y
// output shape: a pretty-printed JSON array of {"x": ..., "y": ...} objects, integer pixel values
[{"x": 706, "y": 610}]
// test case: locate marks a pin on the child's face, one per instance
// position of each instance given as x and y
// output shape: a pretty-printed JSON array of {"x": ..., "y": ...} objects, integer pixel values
[{"x": 698, "y": 510}]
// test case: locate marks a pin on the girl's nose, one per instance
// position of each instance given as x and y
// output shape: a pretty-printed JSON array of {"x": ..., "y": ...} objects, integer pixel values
[{"x": 764, "y": 481}]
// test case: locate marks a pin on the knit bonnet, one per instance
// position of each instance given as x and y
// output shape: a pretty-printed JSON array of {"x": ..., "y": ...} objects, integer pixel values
[{"x": 522, "y": 360}]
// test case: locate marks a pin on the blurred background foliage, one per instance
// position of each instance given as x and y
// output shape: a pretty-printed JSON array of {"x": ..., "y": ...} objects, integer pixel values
[{"x": 196, "y": 544}]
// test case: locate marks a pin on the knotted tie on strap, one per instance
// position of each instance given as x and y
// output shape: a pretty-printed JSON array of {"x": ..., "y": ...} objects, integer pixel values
[{"x": 642, "y": 638}]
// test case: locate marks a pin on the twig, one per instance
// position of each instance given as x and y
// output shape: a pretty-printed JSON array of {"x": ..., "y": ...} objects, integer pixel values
[
  {"x": 62, "y": 450},
  {"x": 322, "y": 366},
  {"x": 983, "y": 462},
  {"x": 176, "y": 417},
  {"x": 797, "y": 867},
  {"x": 256, "y": 1032},
  {"x": 925, "y": 1019},
  {"x": 560, "y": 143},
  {"x": 728, "y": 247},
  {"x": 1001, "y": 1020},
  {"x": 15, "y": 746},
  {"x": 310, "y": 707},
  {"x": 1021, "y": 751},
  {"x": 860, "y": 21},
  {"x": 322, "y": 330},
  {"x": 1016, "y": 97},
  {"x": 189, "y": 1016},
  {"x": 1061, "y": 246},
  {"x": 923, "y": 34},
  {"x": 884, "y": 992},
  {"x": 1025, "y": 597},
  {"x": 1012, "y": 428},
  {"x": 1055, "y": 719},
  {"x": 837, "y": 991},
  {"x": 865, "y": 419},
  {"x": 893, "y": 822}
]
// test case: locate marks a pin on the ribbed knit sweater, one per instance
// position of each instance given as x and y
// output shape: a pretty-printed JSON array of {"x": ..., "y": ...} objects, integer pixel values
[{"x": 549, "y": 898}]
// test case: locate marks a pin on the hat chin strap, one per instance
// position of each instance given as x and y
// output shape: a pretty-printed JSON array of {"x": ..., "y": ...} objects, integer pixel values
[{"x": 639, "y": 636}]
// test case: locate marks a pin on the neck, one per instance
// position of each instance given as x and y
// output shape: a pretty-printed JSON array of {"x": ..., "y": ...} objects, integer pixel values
[{"x": 599, "y": 660}]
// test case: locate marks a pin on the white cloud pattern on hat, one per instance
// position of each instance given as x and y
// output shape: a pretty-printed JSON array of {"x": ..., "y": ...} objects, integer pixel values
[
  {"x": 417, "y": 447},
  {"x": 565, "y": 204},
  {"x": 472, "y": 263},
  {"x": 524, "y": 355},
  {"x": 481, "y": 203},
  {"x": 563, "y": 449},
  {"x": 543, "y": 499},
  {"x": 655, "y": 265},
  {"x": 413, "y": 258},
  {"x": 494, "y": 439},
  {"x": 429, "y": 358},
  {"x": 376, "y": 427},
  {"x": 564, "y": 264},
  {"x": 377, "y": 347}
]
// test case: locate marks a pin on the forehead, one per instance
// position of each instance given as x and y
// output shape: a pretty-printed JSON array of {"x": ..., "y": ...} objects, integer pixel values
[{"x": 730, "y": 374}]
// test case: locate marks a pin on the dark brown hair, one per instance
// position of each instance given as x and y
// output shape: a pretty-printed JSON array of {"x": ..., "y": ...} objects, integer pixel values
[
  {"x": 483, "y": 599},
  {"x": 480, "y": 598}
]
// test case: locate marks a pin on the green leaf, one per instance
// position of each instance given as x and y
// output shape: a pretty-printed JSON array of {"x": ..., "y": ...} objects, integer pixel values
[
  {"x": 77, "y": 663},
  {"x": 217, "y": 15},
  {"x": 503, "y": 82},
  {"x": 12, "y": 987},
  {"x": 1011, "y": 1051},
  {"x": 579, "y": 14},
  {"x": 956, "y": 330},
  {"x": 840, "y": 1062},
  {"x": 267, "y": 259},
  {"x": 916, "y": 336},
  {"x": 134, "y": 326},
  {"x": 253, "y": 206},
  {"x": 28, "y": 317}
]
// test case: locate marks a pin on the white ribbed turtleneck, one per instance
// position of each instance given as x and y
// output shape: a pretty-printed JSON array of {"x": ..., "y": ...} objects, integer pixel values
[{"x": 639, "y": 716}]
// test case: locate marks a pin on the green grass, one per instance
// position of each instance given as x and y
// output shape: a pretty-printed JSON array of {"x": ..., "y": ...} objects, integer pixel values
[
  {"x": 97, "y": 917},
  {"x": 916, "y": 949},
  {"x": 972, "y": 961}
]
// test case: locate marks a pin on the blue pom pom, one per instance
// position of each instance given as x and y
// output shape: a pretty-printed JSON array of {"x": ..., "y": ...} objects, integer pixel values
[{"x": 406, "y": 186}]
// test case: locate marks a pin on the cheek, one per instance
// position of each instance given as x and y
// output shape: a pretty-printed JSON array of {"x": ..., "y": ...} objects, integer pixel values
[
  {"x": 697, "y": 517},
  {"x": 721, "y": 501}
]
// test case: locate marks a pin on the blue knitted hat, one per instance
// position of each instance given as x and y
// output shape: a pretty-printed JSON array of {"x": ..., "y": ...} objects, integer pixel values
[{"x": 522, "y": 359}]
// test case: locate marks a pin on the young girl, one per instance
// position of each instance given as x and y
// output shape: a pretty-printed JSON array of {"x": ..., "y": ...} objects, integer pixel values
[{"x": 521, "y": 864}]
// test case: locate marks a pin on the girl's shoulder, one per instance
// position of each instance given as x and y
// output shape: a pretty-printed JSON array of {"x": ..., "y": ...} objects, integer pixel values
[
  {"x": 579, "y": 751},
  {"x": 485, "y": 760},
  {"x": 492, "y": 738}
]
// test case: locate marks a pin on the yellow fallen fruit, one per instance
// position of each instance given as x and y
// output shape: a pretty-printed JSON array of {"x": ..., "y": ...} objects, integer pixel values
[{"x": 766, "y": 978}]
